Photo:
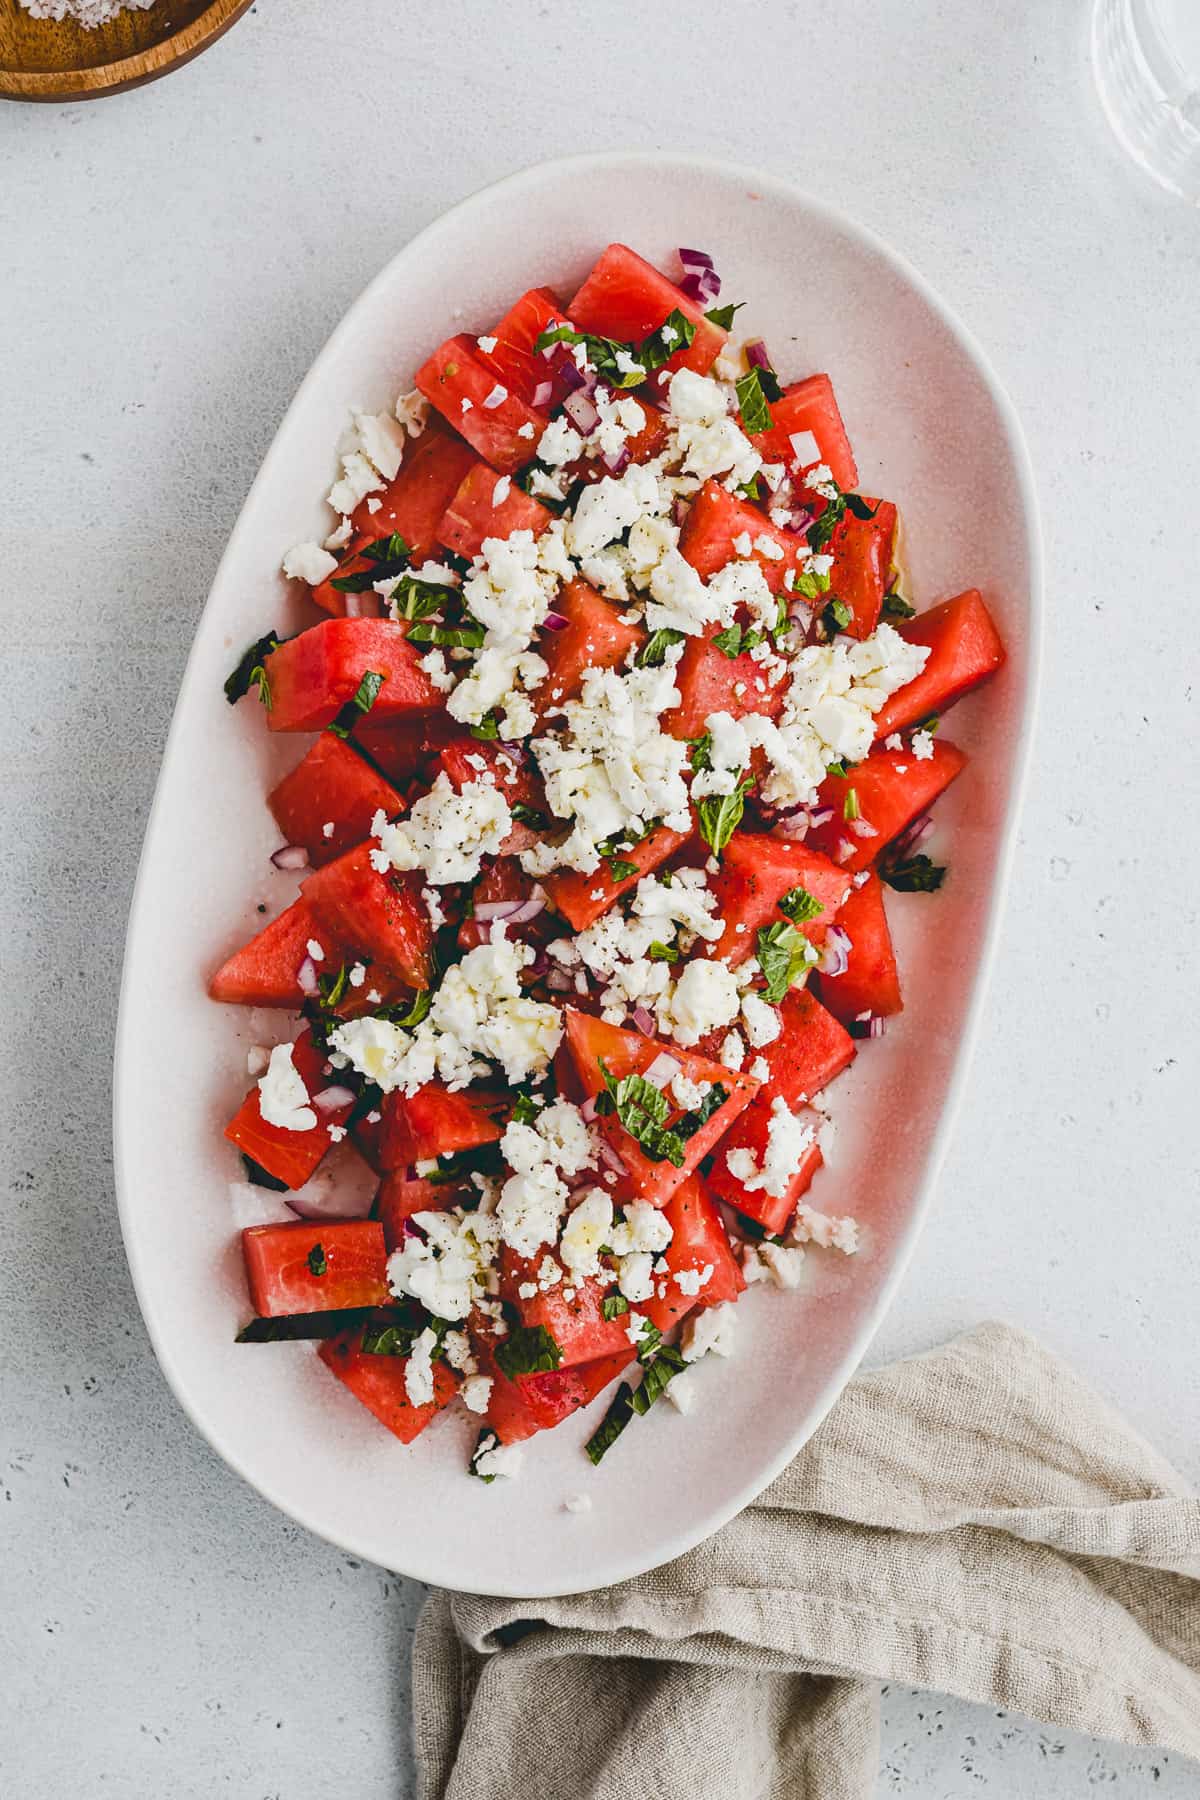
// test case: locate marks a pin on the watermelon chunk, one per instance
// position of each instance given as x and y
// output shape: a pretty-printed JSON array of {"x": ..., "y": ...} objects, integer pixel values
[
  {"x": 772, "y": 1211},
  {"x": 291, "y": 1156},
  {"x": 699, "y": 1242},
  {"x": 582, "y": 898},
  {"x": 571, "y": 1311},
  {"x": 412, "y": 504},
  {"x": 871, "y": 982},
  {"x": 862, "y": 551},
  {"x": 435, "y": 1122},
  {"x": 454, "y": 374},
  {"x": 709, "y": 682},
  {"x": 809, "y": 406},
  {"x": 380, "y": 1383},
  {"x": 628, "y": 1053},
  {"x": 311, "y": 677},
  {"x": 331, "y": 786},
  {"x": 401, "y": 746},
  {"x": 319, "y": 1266},
  {"x": 518, "y": 1409},
  {"x": 891, "y": 789},
  {"x": 381, "y": 916},
  {"x": 811, "y": 1049},
  {"x": 625, "y": 298},
  {"x": 755, "y": 873},
  {"x": 964, "y": 649},
  {"x": 265, "y": 971},
  {"x": 595, "y": 637},
  {"x": 513, "y": 359},
  {"x": 718, "y": 518},
  {"x": 401, "y": 1195},
  {"x": 475, "y": 513}
]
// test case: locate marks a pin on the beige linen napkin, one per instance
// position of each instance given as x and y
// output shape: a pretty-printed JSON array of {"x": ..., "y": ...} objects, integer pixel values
[{"x": 974, "y": 1520}]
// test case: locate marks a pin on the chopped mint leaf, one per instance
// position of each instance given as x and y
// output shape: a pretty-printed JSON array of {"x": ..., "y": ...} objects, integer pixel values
[
  {"x": 836, "y": 616},
  {"x": 722, "y": 316},
  {"x": 701, "y": 757},
  {"x": 385, "y": 558},
  {"x": 294, "y": 1326},
  {"x": 364, "y": 698},
  {"x": 653, "y": 653},
  {"x": 649, "y": 1343},
  {"x": 660, "y": 952},
  {"x": 689, "y": 1125},
  {"x": 850, "y": 807},
  {"x": 525, "y": 1109},
  {"x": 251, "y": 671},
  {"x": 487, "y": 1440},
  {"x": 467, "y": 636},
  {"x": 317, "y": 1261},
  {"x": 675, "y": 333},
  {"x": 612, "y": 1424},
  {"x": 527, "y": 1350},
  {"x": 621, "y": 869},
  {"x": 526, "y": 815},
  {"x": 719, "y": 815},
  {"x": 754, "y": 489},
  {"x": 666, "y": 1363},
  {"x": 754, "y": 389},
  {"x": 895, "y": 606},
  {"x": 487, "y": 728},
  {"x": 642, "y": 1110},
  {"x": 263, "y": 1178},
  {"x": 810, "y": 586},
  {"x": 800, "y": 906},
  {"x": 613, "y": 1305},
  {"x": 914, "y": 875},
  {"x": 783, "y": 954},
  {"x": 860, "y": 507}
]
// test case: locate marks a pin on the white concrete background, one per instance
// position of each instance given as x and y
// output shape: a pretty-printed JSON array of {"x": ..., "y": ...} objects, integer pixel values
[{"x": 170, "y": 261}]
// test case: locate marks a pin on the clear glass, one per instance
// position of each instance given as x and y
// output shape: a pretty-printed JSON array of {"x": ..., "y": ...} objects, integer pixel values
[{"x": 1146, "y": 55}]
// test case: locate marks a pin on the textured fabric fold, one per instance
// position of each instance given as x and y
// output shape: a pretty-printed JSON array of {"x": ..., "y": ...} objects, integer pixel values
[{"x": 974, "y": 1520}]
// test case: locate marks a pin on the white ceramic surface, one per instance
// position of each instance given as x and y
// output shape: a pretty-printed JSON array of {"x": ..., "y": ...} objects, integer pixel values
[{"x": 931, "y": 429}]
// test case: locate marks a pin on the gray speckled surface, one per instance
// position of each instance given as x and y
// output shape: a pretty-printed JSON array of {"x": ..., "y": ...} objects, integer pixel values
[{"x": 173, "y": 258}]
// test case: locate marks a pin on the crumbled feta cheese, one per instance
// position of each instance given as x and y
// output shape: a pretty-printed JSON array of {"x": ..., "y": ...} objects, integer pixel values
[
  {"x": 418, "y": 1369},
  {"x": 922, "y": 745},
  {"x": 705, "y": 998},
  {"x": 315, "y": 950},
  {"x": 712, "y": 1329},
  {"x": 644, "y": 1228},
  {"x": 358, "y": 974},
  {"x": 812, "y": 1227},
  {"x": 760, "y": 1069},
  {"x": 681, "y": 1391},
  {"x": 447, "y": 833},
  {"x": 328, "y": 828},
  {"x": 282, "y": 1095},
  {"x": 761, "y": 1020},
  {"x": 634, "y": 1276},
  {"x": 733, "y": 1051},
  {"x": 501, "y": 491},
  {"x": 494, "y": 1458},
  {"x": 476, "y": 1391},
  {"x": 785, "y": 1265},
  {"x": 495, "y": 397},
  {"x": 487, "y": 344},
  {"x": 527, "y": 430},
  {"x": 447, "y": 1269},
  {"x": 578, "y": 1503},
  {"x": 690, "y": 1281},
  {"x": 788, "y": 1137},
  {"x": 689, "y": 1094},
  {"x": 585, "y": 1234},
  {"x": 308, "y": 562},
  {"x": 257, "y": 1059},
  {"x": 412, "y": 411}
]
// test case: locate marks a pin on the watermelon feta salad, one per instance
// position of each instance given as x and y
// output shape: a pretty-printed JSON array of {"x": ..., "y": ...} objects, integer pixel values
[{"x": 619, "y": 727}]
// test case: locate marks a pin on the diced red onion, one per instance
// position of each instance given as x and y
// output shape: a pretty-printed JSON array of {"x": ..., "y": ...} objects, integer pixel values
[
  {"x": 511, "y": 912},
  {"x": 835, "y": 956},
  {"x": 793, "y": 827},
  {"x": 330, "y": 1098},
  {"x": 616, "y": 461},
  {"x": 862, "y": 828},
  {"x": 291, "y": 856},
  {"x": 610, "y": 1158},
  {"x": 801, "y": 519},
  {"x": 695, "y": 260},
  {"x": 911, "y": 836},
  {"x": 822, "y": 817},
  {"x": 558, "y": 981},
  {"x": 681, "y": 509},
  {"x": 703, "y": 287},
  {"x": 757, "y": 355},
  {"x": 581, "y": 408},
  {"x": 581, "y": 982},
  {"x": 339, "y": 1202},
  {"x": 569, "y": 375},
  {"x": 306, "y": 978},
  {"x": 555, "y": 621},
  {"x": 543, "y": 393},
  {"x": 587, "y": 1111},
  {"x": 663, "y": 1070},
  {"x": 645, "y": 1021},
  {"x": 876, "y": 1028}
]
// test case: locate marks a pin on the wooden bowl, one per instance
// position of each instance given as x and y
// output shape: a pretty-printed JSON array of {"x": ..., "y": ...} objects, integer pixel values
[{"x": 41, "y": 59}]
